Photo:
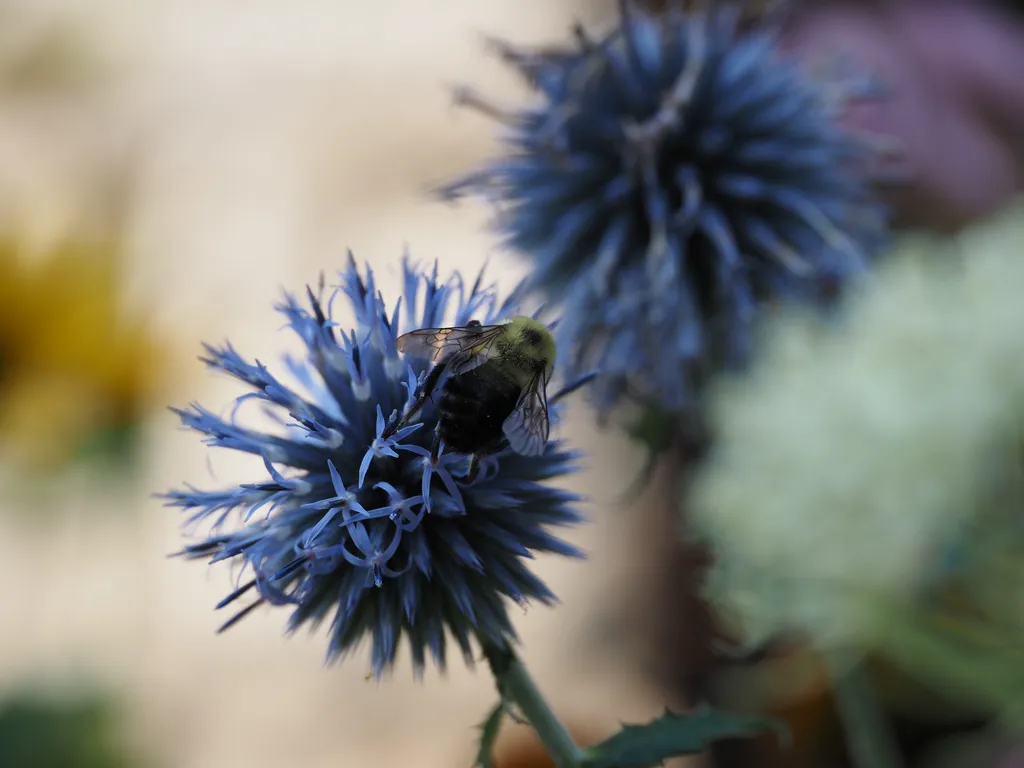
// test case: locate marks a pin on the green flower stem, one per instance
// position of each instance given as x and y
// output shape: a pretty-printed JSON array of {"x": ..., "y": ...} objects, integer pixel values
[
  {"x": 517, "y": 688},
  {"x": 868, "y": 736}
]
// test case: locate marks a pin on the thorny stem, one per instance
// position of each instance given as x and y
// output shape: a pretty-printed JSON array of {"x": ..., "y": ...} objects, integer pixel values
[
  {"x": 868, "y": 737},
  {"x": 517, "y": 688}
]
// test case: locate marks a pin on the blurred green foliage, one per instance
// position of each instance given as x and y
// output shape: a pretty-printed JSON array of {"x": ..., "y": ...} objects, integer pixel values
[{"x": 47, "y": 731}]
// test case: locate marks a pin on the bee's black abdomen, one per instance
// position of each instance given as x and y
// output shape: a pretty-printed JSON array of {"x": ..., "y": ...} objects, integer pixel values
[{"x": 473, "y": 407}]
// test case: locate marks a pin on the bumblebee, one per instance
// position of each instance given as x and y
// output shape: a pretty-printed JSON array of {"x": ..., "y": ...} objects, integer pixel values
[{"x": 495, "y": 393}]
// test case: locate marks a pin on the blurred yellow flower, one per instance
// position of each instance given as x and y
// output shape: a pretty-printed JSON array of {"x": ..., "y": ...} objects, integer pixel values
[
  {"x": 866, "y": 488},
  {"x": 77, "y": 372}
]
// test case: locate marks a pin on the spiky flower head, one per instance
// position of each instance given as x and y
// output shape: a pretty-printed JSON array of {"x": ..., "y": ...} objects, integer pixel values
[
  {"x": 365, "y": 530},
  {"x": 867, "y": 482},
  {"x": 669, "y": 178}
]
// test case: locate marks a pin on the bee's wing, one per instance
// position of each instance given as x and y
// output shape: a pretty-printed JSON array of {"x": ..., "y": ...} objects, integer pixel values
[
  {"x": 461, "y": 348},
  {"x": 527, "y": 427}
]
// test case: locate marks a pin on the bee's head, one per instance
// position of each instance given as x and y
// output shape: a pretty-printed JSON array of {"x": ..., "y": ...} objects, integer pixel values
[{"x": 533, "y": 341}]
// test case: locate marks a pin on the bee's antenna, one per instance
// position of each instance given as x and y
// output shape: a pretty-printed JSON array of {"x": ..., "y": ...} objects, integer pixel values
[{"x": 568, "y": 389}]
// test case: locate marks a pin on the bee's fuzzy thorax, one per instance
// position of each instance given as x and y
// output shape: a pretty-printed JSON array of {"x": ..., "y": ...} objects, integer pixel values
[{"x": 529, "y": 344}]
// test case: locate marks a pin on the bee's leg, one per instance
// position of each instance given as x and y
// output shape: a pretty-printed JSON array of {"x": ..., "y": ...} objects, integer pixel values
[
  {"x": 474, "y": 469},
  {"x": 435, "y": 447},
  {"x": 423, "y": 391}
]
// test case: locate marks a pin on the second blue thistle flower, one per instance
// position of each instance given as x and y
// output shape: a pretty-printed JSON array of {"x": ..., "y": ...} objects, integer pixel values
[{"x": 672, "y": 177}]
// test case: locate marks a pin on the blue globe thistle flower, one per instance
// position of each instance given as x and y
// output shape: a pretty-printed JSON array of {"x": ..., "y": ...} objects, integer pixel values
[
  {"x": 670, "y": 178},
  {"x": 368, "y": 530}
]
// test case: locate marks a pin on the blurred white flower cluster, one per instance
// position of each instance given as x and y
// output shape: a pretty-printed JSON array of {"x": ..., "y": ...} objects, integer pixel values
[{"x": 866, "y": 487}]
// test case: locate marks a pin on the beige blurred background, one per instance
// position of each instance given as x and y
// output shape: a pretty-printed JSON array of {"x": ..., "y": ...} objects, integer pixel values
[{"x": 250, "y": 144}]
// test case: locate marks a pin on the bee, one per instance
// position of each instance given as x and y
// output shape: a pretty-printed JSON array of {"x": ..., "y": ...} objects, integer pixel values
[{"x": 495, "y": 393}]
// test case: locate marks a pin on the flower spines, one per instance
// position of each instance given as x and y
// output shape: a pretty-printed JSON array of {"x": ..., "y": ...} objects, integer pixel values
[
  {"x": 367, "y": 528},
  {"x": 674, "y": 175}
]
